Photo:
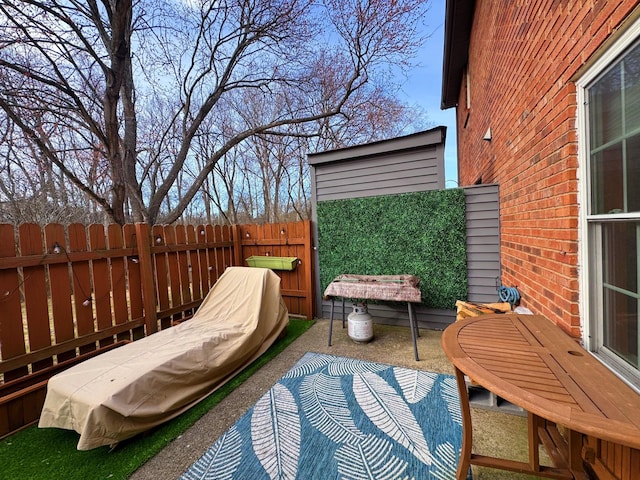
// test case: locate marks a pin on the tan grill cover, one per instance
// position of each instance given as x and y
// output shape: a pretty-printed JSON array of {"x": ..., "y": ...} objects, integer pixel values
[{"x": 130, "y": 389}]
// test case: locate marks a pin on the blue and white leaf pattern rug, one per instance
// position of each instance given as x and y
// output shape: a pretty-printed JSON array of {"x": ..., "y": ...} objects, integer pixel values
[{"x": 340, "y": 418}]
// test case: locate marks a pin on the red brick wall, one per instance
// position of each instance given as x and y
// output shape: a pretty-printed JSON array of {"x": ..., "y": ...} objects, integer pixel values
[{"x": 522, "y": 57}]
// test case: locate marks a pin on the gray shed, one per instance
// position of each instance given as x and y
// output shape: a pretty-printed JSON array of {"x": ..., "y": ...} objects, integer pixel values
[
  {"x": 407, "y": 164},
  {"x": 413, "y": 163}
]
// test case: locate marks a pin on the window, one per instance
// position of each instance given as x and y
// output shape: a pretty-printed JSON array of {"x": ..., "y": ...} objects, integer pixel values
[{"x": 609, "y": 119}]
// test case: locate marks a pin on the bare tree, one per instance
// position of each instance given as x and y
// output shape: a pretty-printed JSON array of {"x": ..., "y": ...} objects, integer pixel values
[
  {"x": 84, "y": 79},
  {"x": 34, "y": 190},
  {"x": 266, "y": 177}
]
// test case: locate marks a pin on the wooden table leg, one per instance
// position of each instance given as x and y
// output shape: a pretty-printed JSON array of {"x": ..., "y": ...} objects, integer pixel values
[
  {"x": 575, "y": 455},
  {"x": 468, "y": 458},
  {"x": 533, "y": 424},
  {"x": 467, "y": 428}
]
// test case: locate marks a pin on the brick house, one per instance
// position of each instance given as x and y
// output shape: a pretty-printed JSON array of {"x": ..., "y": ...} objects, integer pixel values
[{"x": 547, "y": 98}]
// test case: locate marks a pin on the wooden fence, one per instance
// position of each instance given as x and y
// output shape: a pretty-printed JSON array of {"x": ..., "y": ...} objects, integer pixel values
[{"x": 67, "y": 294}]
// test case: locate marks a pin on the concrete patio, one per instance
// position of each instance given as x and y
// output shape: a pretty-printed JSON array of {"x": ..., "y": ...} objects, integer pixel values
[{"x": 495, "y": 433}]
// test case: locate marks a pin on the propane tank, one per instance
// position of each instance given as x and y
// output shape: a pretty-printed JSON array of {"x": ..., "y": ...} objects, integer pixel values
[{"x": 360, "y": 324}]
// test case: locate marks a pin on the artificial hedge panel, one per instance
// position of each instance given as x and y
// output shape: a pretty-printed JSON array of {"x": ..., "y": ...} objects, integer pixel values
[{"x": 422, "y": 234}]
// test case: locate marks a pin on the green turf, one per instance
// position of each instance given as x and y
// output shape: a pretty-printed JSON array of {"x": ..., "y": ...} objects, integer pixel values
[{"x": 51, "y": 453}]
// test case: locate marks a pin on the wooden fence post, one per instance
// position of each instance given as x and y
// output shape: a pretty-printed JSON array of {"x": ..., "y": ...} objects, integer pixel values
[
  {"x": 238, "y": 254},
  {"x": 12, "y": 343},
  {"x": 307, "y": 282},
  {"x": 143, "y": 239}
]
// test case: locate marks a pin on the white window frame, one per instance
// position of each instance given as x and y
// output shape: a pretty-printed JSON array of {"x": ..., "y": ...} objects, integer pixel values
[{"x": 592, "y": 330}]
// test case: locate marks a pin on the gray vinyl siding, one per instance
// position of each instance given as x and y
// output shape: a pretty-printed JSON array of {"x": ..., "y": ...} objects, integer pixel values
[
  {"x": 413, "y": 163},
  {"x": 404, "y": 172},
  {"x": 409, "y": 164},
  {"x": 483, "y": 242}
]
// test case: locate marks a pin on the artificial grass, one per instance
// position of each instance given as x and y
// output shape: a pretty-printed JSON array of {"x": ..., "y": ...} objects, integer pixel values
[{"x": 50, "y": 453}]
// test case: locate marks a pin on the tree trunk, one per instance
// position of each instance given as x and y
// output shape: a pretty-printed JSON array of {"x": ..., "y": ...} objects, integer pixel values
[{"x": 115, "y": 76}]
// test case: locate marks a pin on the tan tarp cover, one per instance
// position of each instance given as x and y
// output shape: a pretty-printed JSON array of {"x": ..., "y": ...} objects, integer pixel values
[{"x": 130, "y": 389}]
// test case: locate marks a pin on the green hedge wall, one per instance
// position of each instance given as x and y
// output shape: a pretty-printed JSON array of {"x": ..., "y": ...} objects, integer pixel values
[{"x": 422, "y": 234}]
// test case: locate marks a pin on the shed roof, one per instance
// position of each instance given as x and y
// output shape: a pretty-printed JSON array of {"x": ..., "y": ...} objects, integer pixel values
[
  {"x": 433, "y": 136},
  {"x": 457, "y": 31}
]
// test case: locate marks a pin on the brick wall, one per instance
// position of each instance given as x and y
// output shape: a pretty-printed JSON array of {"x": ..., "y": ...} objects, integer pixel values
[{"x": 522, "y": 59}]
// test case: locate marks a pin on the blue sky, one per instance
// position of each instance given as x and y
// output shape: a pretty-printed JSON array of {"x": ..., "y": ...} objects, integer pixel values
[{"x": 424, "y": 86}]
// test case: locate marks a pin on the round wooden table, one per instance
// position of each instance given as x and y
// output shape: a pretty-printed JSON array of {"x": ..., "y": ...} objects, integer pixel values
[{"x": 532, "y": 363}]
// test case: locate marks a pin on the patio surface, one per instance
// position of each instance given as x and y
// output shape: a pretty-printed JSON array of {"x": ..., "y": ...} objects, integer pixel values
[{"x": 495, "y": 433}]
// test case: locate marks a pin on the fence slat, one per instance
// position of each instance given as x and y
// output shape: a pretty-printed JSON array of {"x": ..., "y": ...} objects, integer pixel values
[
  {"x": 183, "y": 265},
  {"x": 288, "y": 248},
  {"x": 203, "y": 264},
  {"x": 194, "y": 263},
  {"x": 230, "y": 255},
  {"x": 118, "y": 281},
  {"x": 60, "y": 285},
  {"x": 101, "y": 284},
  {"x": 162, "y": 286},
  {"x": 249, "y": 247},
  {"x": 136, "y": 309},
  {"x": 219, "y": 253},
  {"x": 174, "y": 270},
  {"x": 284, "y": 231},
  {"x": 147, "y": 280},
  {"x": 82, "y": 291},
  {"x": 12, "y": 340},
  {"x": 211, "y": 257},
  {"x": 34, "y": 290}
]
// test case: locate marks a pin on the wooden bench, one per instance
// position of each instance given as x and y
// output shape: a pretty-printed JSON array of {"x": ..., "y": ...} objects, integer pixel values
[
  {"x": 532, "y": 363},
  {"x": 389, "y": 288}
]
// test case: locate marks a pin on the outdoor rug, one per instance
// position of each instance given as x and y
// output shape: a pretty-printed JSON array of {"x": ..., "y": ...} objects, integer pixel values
[{"x": 340, "y": 418}]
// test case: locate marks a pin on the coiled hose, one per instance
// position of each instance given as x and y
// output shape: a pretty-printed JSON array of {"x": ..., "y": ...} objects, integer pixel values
[{"x": 509, "y": 294}]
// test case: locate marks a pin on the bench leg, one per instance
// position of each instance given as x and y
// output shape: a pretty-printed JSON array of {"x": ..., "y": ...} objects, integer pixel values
[
  {"x": 414, "y": 330},
  {"x": 331, "y": 320}
]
